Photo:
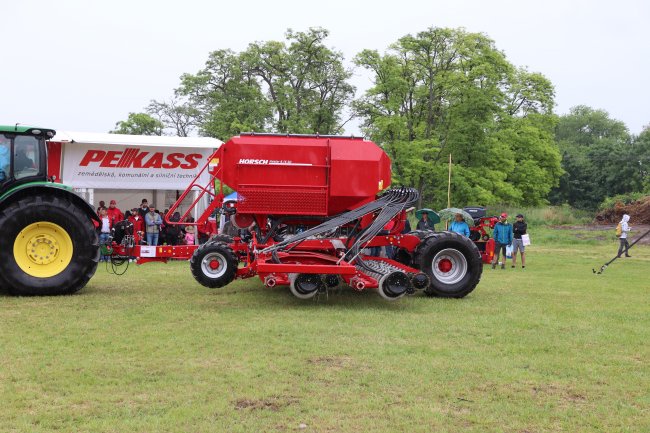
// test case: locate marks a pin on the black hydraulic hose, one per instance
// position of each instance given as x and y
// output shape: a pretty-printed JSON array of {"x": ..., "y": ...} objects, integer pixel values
[
  {"x": 603, "y": 267},
  {"x": 401, "y": 195},
  {"x": 351, "y": 233},
  {"x": 387, "y": 213}
]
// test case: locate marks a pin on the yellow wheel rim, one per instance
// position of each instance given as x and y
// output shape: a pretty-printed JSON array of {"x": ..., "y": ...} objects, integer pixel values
[{"x": 43, "y": 249}]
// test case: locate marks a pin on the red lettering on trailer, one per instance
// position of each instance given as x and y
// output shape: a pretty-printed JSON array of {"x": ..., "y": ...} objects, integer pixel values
[
  {"x": 172, "y": 160},
  {"x": 191, "y": 161},
  {"x": 134, "y": 158},
  {"x": 92, "y": 156},
  {"x": 137, "y": 160},
  {"x": 111, "y": 159},
  {"x": 155, "y": 161}
]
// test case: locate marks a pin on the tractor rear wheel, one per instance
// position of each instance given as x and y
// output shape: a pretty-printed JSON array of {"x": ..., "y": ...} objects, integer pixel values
[
  {"x": 452, "y": 262},
  {"x": 214, "y": 264},
  {"x": 52, "y": 247}
]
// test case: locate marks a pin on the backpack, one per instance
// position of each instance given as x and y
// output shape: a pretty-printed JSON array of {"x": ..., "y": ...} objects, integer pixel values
[{"x": 619, "y": 230}]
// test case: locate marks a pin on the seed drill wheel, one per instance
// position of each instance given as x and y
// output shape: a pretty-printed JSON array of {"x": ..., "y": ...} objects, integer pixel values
[
  {"x": 305, "y": 286},
  {"x": 50, "y": 248},
  {"x": 214, "y": 264},
  {"x": 452, "y": 262}
]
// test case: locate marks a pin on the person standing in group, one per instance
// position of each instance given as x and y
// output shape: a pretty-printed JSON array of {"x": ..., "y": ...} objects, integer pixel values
[
  {"x": 153, "y": 222},
  {"x": 459, "y": 226},
  {"x": 623, "y": 244},
  {"x": 144, "y": 208},
  {"x": 190, "y": 231},
  {"x": 407, "y": 224},
  {"x": 502, "y": 235},
  {"x": 424, "y": 223},
  {"x": 173, "y": 229},
  {"x": 138, "y": 223},
  {"x": 114, "y": 213},
  {"x": 519, "y": 229},
  {"x": 104, "y": 231}
]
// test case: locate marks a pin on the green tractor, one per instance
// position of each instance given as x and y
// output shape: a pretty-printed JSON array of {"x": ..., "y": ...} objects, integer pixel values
[{"x": 50, "y": 246}]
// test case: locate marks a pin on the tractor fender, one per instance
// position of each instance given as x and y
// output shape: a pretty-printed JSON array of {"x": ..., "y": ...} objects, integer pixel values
[{"x": 49, "y": 188}]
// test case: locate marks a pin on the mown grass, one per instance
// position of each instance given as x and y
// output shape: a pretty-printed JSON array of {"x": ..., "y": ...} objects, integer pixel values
[{"x": 550, "y": 348}]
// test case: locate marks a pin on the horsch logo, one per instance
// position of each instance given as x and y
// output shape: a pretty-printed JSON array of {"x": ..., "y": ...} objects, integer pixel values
[
  {"x": 253, "y": 161},
  {"x": 136, "y": 158}
]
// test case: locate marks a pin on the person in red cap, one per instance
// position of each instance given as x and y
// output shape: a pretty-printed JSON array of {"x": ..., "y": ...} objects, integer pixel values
[
  {"x": 114, "y": 214},
  {"x": 502, "y": 235}
]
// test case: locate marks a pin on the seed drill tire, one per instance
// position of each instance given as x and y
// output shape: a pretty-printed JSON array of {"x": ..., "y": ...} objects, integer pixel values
[
  {"x": 458, "y": 245},
  {"x": 73, "y": 220},
  {"x": 224, "y": 255}
]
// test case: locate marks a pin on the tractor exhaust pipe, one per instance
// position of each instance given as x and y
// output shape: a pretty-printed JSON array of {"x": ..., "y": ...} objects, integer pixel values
[{"x": 394, "y": 285}]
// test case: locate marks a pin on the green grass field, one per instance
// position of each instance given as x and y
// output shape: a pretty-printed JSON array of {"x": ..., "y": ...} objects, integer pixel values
[{"x": 553, "y": 348}]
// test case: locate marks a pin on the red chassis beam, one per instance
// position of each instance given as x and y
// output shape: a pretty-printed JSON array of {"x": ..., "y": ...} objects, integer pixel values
[
  {"x": 301, "y": 260},
  {"x": 161, "y": 253}
]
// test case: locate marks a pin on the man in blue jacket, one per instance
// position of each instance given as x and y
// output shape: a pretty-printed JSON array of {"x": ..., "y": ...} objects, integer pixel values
[{"x": 502, "y": 235}]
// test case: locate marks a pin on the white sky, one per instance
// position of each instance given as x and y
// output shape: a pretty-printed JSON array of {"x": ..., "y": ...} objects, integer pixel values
[{"x": 81, "y": 65}]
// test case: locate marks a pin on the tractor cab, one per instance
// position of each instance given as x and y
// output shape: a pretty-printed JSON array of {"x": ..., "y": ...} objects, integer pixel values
[{"x": 23, "y": 156}]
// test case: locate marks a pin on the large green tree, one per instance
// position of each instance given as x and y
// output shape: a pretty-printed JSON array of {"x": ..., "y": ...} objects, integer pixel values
[
  {"x": 178, "y": 116},
  {"x": 447, "y": 91},
  {"x": 598, "y": 156},
  {"x": 641, "y": 149},
  {"x": 227, "y": 97},
  {"x": 139, "y": 124},
  {"x": 295, "y": 86}
]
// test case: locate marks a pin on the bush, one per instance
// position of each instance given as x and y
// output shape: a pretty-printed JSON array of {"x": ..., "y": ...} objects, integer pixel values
[
  {"x": 546, "y": 215},
  {"x": 625, "y": 199}
]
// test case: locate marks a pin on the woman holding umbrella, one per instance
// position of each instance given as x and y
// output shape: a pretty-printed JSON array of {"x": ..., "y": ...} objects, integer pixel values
[{"x": 459, "y": 225}]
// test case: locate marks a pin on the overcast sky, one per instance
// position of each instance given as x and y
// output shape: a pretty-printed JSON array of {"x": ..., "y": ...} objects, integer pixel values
[{"x": 80, "y": 65}]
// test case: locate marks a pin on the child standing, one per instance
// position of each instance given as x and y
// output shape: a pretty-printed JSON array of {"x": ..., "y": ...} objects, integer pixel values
[{"x": 625, "y": 228}]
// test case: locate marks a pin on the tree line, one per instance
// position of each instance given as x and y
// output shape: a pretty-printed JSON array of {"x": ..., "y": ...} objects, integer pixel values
[{"x": 439, "y": 92}]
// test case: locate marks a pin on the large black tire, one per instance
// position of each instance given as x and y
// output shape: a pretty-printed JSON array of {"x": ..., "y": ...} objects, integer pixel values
[
  {"x": 54, "y": 226},
  {"x": 452, "y": 262},
  {"x": 214, "y": 264}
]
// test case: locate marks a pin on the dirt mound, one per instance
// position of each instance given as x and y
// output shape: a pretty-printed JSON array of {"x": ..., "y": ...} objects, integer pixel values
[{"x": 639, "y": 212}]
